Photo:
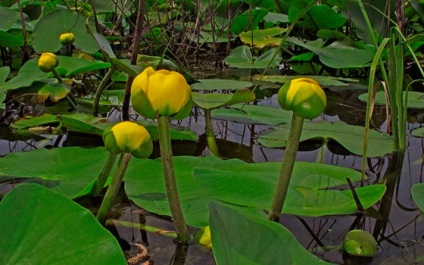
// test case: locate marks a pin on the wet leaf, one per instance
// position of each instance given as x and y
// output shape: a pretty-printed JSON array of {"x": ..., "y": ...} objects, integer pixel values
[
  {"x": 241, "y": 57},
  {"x": 415, "y": 99},
  {"x": 39, "y": 226},
  {"x": 45, "y": 37},
  {"x": 217, "y": 100},
  {"x": 232, "y": 232},
  {"x": 349, "y": 136}
]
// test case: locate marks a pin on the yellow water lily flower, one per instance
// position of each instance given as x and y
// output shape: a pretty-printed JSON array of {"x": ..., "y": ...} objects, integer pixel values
[
  {"x": 162, "y": 92},
  {"x": 67, "y": 38},
  {"x": 47, "y": 62},
  {"x": 304, "y": 96},
  {"x": 128, "y": 137}
]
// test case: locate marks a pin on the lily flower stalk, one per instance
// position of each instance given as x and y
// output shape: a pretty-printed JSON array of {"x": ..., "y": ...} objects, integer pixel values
[
  {"x": 307, "y": 100},
  {"x": 127, "y": 139},
  {"x": 47, "y": 62},
  {"x": 165, "y": 95}
]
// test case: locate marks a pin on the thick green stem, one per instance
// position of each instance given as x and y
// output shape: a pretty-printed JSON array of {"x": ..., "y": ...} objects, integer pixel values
[
  {"x": 101, "y": 180},
  {"x": 170, "y": 180},
  {"x": 113, "y": 188},
  {"x": 57, "y": 75},
  {"x": 286, "y": 169},
  {"x": 210, "y": 137}
]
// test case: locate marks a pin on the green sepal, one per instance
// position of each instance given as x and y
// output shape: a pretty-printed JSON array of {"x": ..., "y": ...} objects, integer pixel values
[
  {"x": 185, "y": 111},
  {"x": 141, "y": 104},
  {"x": 145, "y": 149}
]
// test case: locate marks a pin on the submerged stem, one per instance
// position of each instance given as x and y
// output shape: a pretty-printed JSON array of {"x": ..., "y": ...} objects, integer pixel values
[
  {"x": 286, "y": 169},
  {"x": 114, "y": 186},
  {"x": 170, "y": 181}
]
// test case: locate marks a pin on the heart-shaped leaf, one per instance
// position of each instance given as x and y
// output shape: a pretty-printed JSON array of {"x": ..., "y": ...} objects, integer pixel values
[
  {"x": 349, "y": 136},
  {"x": 232, "y": 230},
  {"x": 39, "y": 226},
  {"x": 217, "y": 100}
]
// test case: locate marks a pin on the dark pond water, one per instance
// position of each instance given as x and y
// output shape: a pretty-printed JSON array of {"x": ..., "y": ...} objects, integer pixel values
[{"x": 402, "y": 242}]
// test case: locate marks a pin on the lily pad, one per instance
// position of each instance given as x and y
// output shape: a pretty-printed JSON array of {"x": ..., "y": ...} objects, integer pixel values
[
  {"x": 415, "y": 99},
  {"x": 68, "y": 171},
  {"x": 241, "y": 57},
  {"x": 219, "y": 84},
  {"x": 312, "y": 192},
  {"x": 417, "y": 192},
  {"x": 253, "y": 114},
  {"x": 45, "y": 37},
  {"x": 232, "y": 230},
  {"x": 322, "y": 80},
  {"x": 86, "y": 123},
  {"x": 217, "y": 100},
  {"x": 349, "y": 136},
  {"x": 39, "y": 226}
]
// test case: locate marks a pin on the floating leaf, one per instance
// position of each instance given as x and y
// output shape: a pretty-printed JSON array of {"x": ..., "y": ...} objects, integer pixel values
[
  {"x": 322, "y": 80},
  {"x": 349, "y": 136},
  {"x": 417, "y": 192},
  {"x": 67, "y": 171},
  {"x": 415, "y": 99},
  {"x": 73, "y": 65},
  {"x": 219, "y": 84},
  {"x": 39, "y": 226},
  {"x": 233, "y": 229},
  {"x": 241, "y": 57},
  {"x": 253, "y": 114},
  {"x": 217, "y": 100},
  {"x": 312, "y": 190},
  {"x": 53, "y": 91}
]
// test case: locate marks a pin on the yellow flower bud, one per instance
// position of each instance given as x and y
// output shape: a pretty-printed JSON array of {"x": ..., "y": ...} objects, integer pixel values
[
  {"x": 163, "y": 92},
  {"x": 304, "y": 96},
  {"x": 67, "y": 38},
  {"x": 203, "y": 237},
  {"x": 47, "y": 62},
  {"x": 128, "y": 137}
]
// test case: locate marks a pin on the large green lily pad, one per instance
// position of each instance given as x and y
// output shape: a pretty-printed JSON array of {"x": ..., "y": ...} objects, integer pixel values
[
  {"x": 262, "y": 37},
  {"x": 45, "y": 37},
  {"x": 349, "y": 136},
  {"x": 67, "y": 171},
  {"x": 232, "y": 231},
  {"x": 253, "y": 114},
  {"x": 217, "y": 100},
  {"x": 415, "y": 99},
  {"x": 39, "y": 226},
  {"x": 241, "y": 57},
  {"x": 311, "y": 192}
]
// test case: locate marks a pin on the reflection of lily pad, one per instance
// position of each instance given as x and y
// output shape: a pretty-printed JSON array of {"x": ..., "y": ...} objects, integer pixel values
[
  {"x": 415, "y": 99},
  {"x": 349, "y": 136},
  {"x": 262, "y": 37}
]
